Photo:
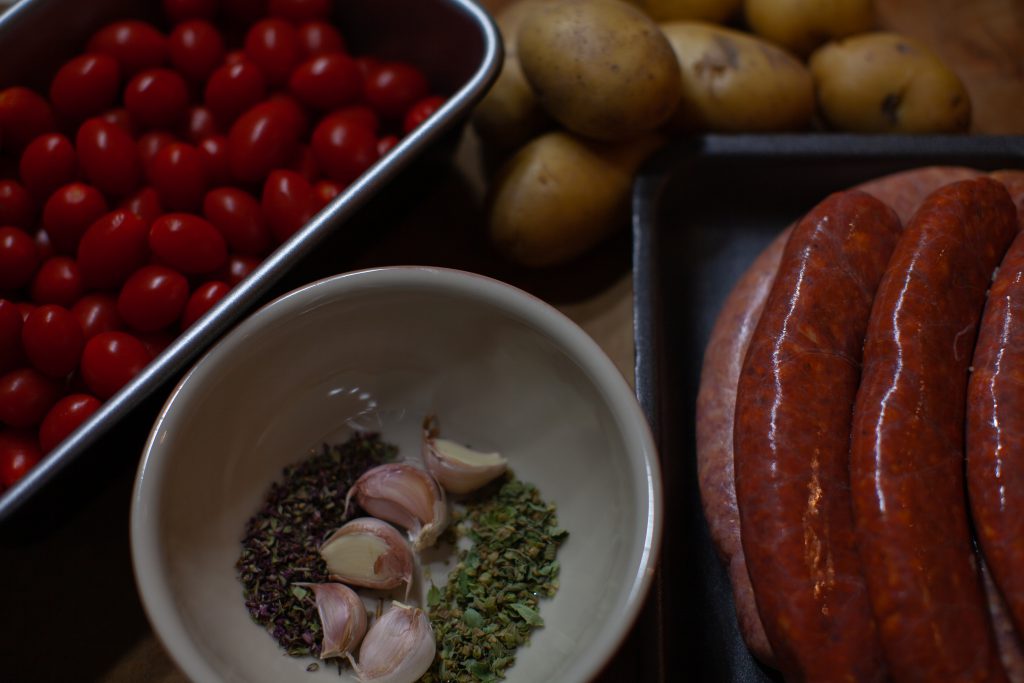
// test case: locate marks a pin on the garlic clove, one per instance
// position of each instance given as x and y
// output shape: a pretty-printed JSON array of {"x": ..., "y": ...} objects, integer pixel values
[
  {"x": 404, "y": 495},
  {"x": 398, "y": 648},
  {"x": 370, "y": 553},
  {"x": 342, "y": 618},
  {"x": 460, "y": 469}
]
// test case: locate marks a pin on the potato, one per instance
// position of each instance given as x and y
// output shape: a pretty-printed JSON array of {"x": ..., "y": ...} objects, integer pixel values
[
  {"x": 802, "y": 25},
  {"x": 562, "y": 194},
  {"x": 601, "y": 68},
  {"x": 735, "y": 82},
  {"x": 679, "y": 10},
  {"x": 884, "y": 82}
]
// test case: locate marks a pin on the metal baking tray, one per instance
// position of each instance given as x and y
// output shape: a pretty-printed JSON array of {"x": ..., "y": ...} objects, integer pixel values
[
  {"x": 703, "y": 208},
  {"x": 456, "y": 44}
]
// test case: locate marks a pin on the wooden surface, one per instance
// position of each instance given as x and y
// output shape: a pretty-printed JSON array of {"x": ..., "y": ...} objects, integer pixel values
[{"x": 68, "y": 606}]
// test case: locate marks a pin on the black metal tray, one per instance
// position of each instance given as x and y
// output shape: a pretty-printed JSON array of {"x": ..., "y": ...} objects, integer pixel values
[{"x": 703, "y": 208}]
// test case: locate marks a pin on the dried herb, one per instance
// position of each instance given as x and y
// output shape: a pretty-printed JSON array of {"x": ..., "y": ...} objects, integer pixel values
[
  {"x": 490, "y": 604},
  {"x": 281, "y": 540}
]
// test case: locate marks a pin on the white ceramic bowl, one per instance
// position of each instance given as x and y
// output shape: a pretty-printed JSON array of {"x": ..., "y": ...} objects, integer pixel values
[{"x": 381, "y": 349}]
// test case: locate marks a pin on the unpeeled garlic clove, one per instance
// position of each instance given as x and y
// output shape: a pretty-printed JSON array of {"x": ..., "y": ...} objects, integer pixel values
[
  {"x": 404, "y": 495},
  {"x": 457, "y": 468},
  {"x": 342, "y": 618},
  {"x": 370, "y": 553},
  {"x": 398, "y": 648}
]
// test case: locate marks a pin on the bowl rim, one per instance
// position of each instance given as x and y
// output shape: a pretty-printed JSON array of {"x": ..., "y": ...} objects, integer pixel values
[{"x": 150, "y": 577}]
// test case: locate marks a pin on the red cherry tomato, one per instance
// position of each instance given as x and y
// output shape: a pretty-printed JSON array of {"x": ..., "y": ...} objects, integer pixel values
[
  {"x": 238, "y": 268},
  {"x": 25, "y": 397},
  {"x": 361, "y": 114},
  {"x": 136, "y": 45},
  {"x": 110, "y": 360},
  {"x": 120, "y": 118},
  {"x": 109, "y": 157},
  {"x": 233, "y": 89},
  {"x": 386, "y": 144},
  {"x": 200, "y": 124},
  {"x": 327, "y": 82},
  {"x": 304, "y": 163},
  {"x": 299, "y": 10},
  {"x": 69, "y": 212},
  {"x": 152, "y": 298},
  {"x": 178, "y": 174},
  {"x": 65, "y": 417},
  {"x": 344, "y": 147},
  {"x": 19, "y": 453},
  {"x": 239, "y": 218},
  {"x": 273, "y": 46},
  {"x": 392, "y": 87},
  {"x": 235, "y": 57},
  {"x": 16, "y": 206},
  {"x": 319, "y": 38},
  {"x": 156, "y": 342},
  {"x": 58, "y": 281},
  {"x": 44, "y": 246},
  {"x": 420, "y": 112},
  {"x": 19, "y": 258},
  {"x": 287, "y": 203},
  {"x": 264, "y": 138},
  {"x": 24, "y": 116},
  {"x": 85, "y": 86},
  {"x": 202, "y": 300},
  {"x": 149, "y": 144},
  {"x": 180, "y": 10},
  {"x": 53, "y": 340},
  {"x": 97, "y": 313},
  {"x": 196, "y": 49},
  {"x": 145, "y": 204},
  {"x": 215, "y": 157},
  {"x": 10, "y": 335},
  {"x": 48, "y": 162},
  {"x": 157, "y": 98},
  {"x": 324, "y": 192},
  {"x": 187, "y": 243},
  {"x": 367, "y": 64},
  {"x": 112, "y": 248}
]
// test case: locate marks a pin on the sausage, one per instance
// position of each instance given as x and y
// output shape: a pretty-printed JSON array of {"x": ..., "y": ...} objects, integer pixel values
[
  {"x": 793, "y": 406},
  {"x": 905, "y": 191},
  {"x": 1011, "y": 650},
  {"x": 907, "y": 450}
]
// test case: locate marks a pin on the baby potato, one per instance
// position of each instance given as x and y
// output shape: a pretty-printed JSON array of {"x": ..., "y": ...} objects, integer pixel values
[
  {"x": 736, "y": 82},
  {"x": 681, "y": 10},
  {"x": 884, "y": 82},
  {"x": 601, "y": 68},
  {"x": 802, "y": 25},
  {"x": 562, "y": 194}
]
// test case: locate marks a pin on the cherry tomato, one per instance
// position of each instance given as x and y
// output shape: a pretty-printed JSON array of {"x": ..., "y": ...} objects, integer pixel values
[
  {"x": 319, "y": 38},
  {"x": 136, "y": 45},
  {"x": 180, "y": 10},
  {"x": 299, "y": 10},
  {"x": 19, "y": 258},
  {"x": 145, "y": 204},
  {"x": 19, "y": 453},
  {"x": 202, "y": 300},
  {"x": 24, "y": 116},
  {"x": 264, "y": 138},
  {"x": 113, "y": 247},
  {"x": 43, "y": 245},
  {"x": 97, "y": 313},
  {"x": 149, "y": 144},
  {"x": 58, "y": 281},
  {"x": 215, "y": 157},
  {"x": 10, "y": 335},
  {"x": 196, "y": 49},
  {"x": 16, "y": 206},
  {"x": 178, "y": 174},
  {"x": 238, "y": 268},
  {"x": 120, "y": 118},
  {"x": 69, "y": 212},
  {"x": 200, "y": 124},
  {"x": 187, "y": 243},
  {"x": 85, "y": 85},
  {"x": 109, "y": 157},
  {"x": 386, "y": 144},
  {"x": 24, "y": 308},
  {"x": 156, "y": 342},
  {"x": 239, "y": 218},
  {"x": 287, "y": 203},
  {"x": 53, "y": 340},
  {"x": 344, "y": 147},
  {"x": 327, "y": 81},
  {"x": 324, "y": 192},
  {"x": 304, "y": 163},
  {"x": 48, "y": 162},
  {"x": 361, "y": 114},
  {"x": 25, "y": 397},
  {"x": 152, "y": 298},
  {"x": 420, "y": 112},
  {"x": 110, "y": 360},
  {"x": 233, "y": 89},
  {"x": 367, "y": 64},
  {"x": 392, "y": 87},
  {"x": 273, "y": 46},
  {"x": 235, "y": 57},
  {"x": 65, "y": 417},
  {"x": 157, "y": 98}
]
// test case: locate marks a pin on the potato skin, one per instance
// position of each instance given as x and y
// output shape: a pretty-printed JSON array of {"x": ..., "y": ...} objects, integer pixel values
[
  {"x": 736, "y": 82},
  {"x": 683, "y": 10},
  {"x": 601, "y": 68},
  {"x": 887, "y": 83},
  {"x": 802, "y": 25}
]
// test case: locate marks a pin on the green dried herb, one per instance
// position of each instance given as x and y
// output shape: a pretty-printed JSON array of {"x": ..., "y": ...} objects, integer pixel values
[{"x": 490, "y": 604}]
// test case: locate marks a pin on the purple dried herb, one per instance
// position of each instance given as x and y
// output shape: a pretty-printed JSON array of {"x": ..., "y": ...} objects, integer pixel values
[{"x": 282, "y": 540}]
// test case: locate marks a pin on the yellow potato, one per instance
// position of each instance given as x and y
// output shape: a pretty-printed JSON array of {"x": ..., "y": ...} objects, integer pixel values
[
  {"x": 736, "y": 82},
  {"x": 601, "y": 68},
  {"x": 802, "y": 25},
  {"x": 884, "y": 82},
  {"x": 679, "y": 10},
  {"x": 562, "y": 194}
]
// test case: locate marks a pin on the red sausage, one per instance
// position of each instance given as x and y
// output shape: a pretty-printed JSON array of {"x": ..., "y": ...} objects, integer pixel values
[
  {"x": 793, "y": 407},
  {"x": 907, "y": 451}
]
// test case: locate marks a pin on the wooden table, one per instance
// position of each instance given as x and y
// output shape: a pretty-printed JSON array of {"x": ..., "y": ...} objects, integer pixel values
[{"x": 68, "y": 606}]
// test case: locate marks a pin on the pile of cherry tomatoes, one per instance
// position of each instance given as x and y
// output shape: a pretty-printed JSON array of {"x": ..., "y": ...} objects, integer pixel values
[{"x": 157, "y": 171}]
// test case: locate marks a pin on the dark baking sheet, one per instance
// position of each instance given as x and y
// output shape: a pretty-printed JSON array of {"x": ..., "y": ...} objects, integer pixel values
[{"x": 703, "y": 208}]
